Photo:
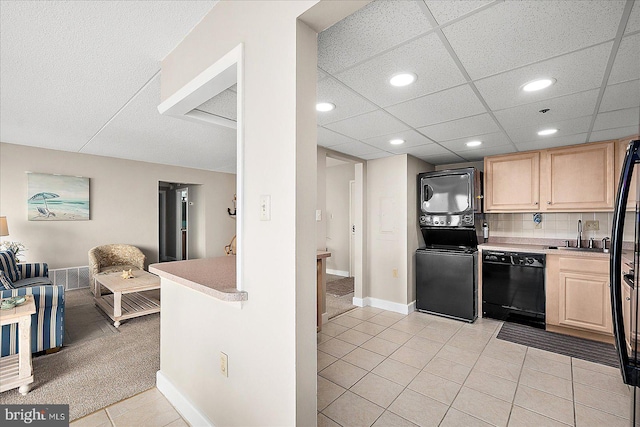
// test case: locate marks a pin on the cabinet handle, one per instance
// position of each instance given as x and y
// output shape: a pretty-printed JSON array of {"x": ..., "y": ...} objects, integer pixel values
[
  {"x": 628, "y": 298},
  {"x": 548, "y": 203},
  {"x": 535, "y": 203}
]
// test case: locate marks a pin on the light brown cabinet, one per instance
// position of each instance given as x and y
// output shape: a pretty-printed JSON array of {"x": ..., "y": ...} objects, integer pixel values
[
  {"x": 578, "y": 297},
  {"x": 621, "y": 149},
  {"x": 570, "y": 179},
  {"x": 578, "y": 178},
  {"x": 512, "y": 182}
]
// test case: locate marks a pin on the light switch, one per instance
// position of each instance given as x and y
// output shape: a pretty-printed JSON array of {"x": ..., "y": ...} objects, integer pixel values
[
  {"x": 318, "y": 215},
  {"x": 265, "y": 208}
]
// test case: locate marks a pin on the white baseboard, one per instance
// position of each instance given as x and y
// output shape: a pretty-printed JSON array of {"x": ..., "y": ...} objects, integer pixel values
[
  {"x": 183, "y": 405},
  {"x": 385, "y": 305},
  {"x": 325, "y": 318},
  {"x": 359, "y": 302},
  {"x": 338, "y": 272}
]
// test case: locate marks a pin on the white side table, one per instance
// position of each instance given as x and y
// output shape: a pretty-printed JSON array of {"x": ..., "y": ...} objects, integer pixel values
[{"x": 16, "y": 370}]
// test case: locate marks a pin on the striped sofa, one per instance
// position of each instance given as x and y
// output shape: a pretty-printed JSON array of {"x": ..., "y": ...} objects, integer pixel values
[{"x": 47, "y": 323}]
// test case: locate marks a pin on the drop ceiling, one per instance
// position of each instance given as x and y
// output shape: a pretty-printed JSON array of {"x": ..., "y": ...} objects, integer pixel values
[{"x": 84, "y": 77}]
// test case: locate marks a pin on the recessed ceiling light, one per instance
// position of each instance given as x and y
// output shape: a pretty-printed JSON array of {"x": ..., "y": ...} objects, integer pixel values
[
  {"x": 396, "y": 141},
  {"x": 547, "y": 132},
  {"x": 473, "y": 143},
  {"x": 402, "y": 79},
  {"x": 324, "y": 106},
  {"x": 539, "y": 84}
]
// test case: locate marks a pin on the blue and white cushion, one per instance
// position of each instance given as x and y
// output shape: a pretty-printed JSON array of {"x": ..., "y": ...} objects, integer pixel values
[
  {"x": 5, "y": 283},
  {"x": 8, "y": 265}
]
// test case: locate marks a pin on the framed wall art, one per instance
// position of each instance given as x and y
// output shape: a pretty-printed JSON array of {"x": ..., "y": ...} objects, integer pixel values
[{"x": 57, "y": 197}]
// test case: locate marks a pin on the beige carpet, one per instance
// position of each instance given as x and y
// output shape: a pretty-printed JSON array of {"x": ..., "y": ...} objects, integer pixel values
[
  {"x": 96, "y": 369},
  {"x": 337, "y": 304},
  {"x": 340, "y": 286}
]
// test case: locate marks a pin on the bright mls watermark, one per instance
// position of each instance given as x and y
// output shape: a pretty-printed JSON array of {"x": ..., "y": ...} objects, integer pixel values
[{"x": 34, "y": 415}]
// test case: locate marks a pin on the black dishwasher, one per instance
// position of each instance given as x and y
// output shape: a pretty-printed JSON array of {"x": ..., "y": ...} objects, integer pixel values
[{"x": 513, "y": 287}]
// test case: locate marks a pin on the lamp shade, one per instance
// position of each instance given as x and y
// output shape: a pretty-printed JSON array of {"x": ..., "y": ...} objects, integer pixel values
[{"x": 4, "y": 229}]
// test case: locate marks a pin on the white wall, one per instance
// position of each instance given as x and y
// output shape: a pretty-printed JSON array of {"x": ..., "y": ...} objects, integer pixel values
[
  {"x": 414, "y": 167},
  {"x": 337, "y": 215},
  {"x": 123, "y": 205},
  {"x": 321, "y": 195},
  {"x": 387, "y": 231},
  {"x": 271, "y": 342}
]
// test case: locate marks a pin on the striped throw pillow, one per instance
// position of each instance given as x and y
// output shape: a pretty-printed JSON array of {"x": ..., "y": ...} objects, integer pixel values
[
  {"x": 5, "y": 283},
  {"x": 8, "y": 265}
]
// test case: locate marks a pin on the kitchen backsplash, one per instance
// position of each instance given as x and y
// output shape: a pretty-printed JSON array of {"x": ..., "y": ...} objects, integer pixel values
[{"x": 553, "y": 225}]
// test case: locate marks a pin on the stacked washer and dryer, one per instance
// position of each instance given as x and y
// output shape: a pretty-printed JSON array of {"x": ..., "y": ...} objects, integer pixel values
[{"x": 447, "y": 265}]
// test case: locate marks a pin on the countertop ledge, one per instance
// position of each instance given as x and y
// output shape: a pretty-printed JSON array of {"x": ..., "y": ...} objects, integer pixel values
[
  {"x": 211, "y": 276},
  {"x": 540, "y": 249}
]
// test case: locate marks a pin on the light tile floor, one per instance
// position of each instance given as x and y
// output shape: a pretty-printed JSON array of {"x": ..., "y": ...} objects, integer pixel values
[
  {"x": 147, "y": 409},
  {"x": 385, "y": 369}
]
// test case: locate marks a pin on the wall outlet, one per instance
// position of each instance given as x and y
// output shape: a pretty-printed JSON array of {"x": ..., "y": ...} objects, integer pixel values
[
  {"x": 265, "y": 208},
  {"x": 592, "y": 225},
  {"x": 224, "y": 364},
  {"x": 318, "y": 215},
  {"x": 395, "y": 273}
]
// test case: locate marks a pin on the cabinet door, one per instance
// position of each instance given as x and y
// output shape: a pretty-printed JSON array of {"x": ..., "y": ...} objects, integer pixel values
[
  {"x": 512, "y": 182},
  {"x": 578, "y": 178},
  {"x": 621, "y": 149},
  {"x": 584, "y": 301}
]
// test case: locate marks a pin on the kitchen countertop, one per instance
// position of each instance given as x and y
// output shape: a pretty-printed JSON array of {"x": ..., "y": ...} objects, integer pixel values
[
  {"x": 212, "y": 276},
  {"x": 540, "y": 249}
]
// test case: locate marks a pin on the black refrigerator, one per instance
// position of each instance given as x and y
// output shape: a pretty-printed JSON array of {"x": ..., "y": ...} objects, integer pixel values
[{"x": 624, "y": 277}]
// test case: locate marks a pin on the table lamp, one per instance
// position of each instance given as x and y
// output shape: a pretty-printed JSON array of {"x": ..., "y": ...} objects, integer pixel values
[{"x": 4, "y": 229}]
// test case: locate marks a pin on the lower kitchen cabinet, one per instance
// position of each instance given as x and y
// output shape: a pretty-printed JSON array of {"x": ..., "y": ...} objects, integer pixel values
[{"x": 578, "y": 298}]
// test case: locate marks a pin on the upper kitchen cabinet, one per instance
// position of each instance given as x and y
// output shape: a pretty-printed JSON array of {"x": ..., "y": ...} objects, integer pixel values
[
  {"x": 621, "y": 149},
  {"x": 512, "y": 182},
  {"x": 578, "y": 178}
]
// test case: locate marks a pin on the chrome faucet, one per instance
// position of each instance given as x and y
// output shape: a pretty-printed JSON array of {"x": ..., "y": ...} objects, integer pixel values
[
  {"x": 604, "y": 245},
  {"x": 579, "y": 242}
]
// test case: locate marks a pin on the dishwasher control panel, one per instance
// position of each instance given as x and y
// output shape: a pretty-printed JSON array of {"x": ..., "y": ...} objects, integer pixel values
[{"x": 514, "y": 258}]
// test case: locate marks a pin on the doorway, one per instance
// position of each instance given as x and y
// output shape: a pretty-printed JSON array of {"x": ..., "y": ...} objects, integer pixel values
[{"x": 174, "y": 220}]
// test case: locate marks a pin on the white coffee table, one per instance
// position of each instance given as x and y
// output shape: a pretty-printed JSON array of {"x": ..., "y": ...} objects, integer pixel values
[{"x": 127, "y": 301}]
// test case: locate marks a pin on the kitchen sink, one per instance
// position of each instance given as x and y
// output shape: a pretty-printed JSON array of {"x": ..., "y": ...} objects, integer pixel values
[{"x": 563, "y": 248}]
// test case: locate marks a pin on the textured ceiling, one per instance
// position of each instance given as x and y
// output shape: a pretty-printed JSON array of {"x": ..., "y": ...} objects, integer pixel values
[{"x": 83, "y": 76}]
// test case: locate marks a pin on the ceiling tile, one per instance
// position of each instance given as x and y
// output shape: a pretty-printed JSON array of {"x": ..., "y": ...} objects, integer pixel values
[
  {"x": 575, "y": 72},
  {"x": 376, "y": 27},
  {"x": 347, "y": 102},
  {"x": 368, "y": 125},
  {"x": 443, "y": 159},
  {"x": 604, "y": 135},
  {"x": 634, "y": 19},
  {"x": 424, "y": 150},
  {"x": 68, "y": 67},
  {"x": 445, "y": 11},
  {"x": 225, "y": 104},
  {"x": 515, "y": 33},
  {"x": 373, "y": 156},
  {"x": 553, "y": 142},
  {"x": 328, "y": 138},
  {"x": 617, "y": 119},
  {"x": 627, "y": 63},
  {"x": 468, "y": 126},
  {"x": 620, "y": 96},
  {"x": 426, "y": 57},
  {"x": 439, "y": 107},
  {"x": 562, "y": 108},
  {"x": 475, "y": 155},
  {"x": 355, "y": 148},
  {"x": 411, "y": 138},
  {"x": 489, "y": 140},
  {"x": 565, "y": 128},
  {"x": 138, "y": 130}
]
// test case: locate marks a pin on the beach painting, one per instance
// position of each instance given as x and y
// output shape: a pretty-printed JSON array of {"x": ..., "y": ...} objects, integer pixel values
[{"x": 57, "y": 197}]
